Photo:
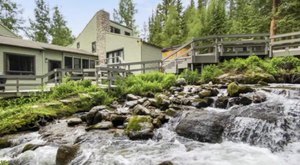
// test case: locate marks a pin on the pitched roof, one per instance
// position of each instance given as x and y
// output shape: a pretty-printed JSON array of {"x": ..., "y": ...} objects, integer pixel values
[
  {"x": 39, "y": 46},
  {"x": 4, "y": 31}
]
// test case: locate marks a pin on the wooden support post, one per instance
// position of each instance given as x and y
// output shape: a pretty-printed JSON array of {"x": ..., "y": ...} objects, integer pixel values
[
  {"x": 18, "y": 85},
  {"x": 144, "y": 68},
  {"x": 55, "y": 77},
  {"x": 97, "y": 76},
  {"x": 176, "y": 66},
  {"x": 42, "y": 83}
]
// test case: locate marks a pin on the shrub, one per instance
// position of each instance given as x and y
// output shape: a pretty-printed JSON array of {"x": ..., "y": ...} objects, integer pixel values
[
  {"x": 144, "y": 83},
  {"x": 210, "y": 73},
  {"x": 192, "y": 77}
]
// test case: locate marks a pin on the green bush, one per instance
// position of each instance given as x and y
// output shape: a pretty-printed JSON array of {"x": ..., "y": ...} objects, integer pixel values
[
  {"x": 192, "y": 77},
  {"x": 144, "y": 83},
  {"x": 210, "y": 73}
]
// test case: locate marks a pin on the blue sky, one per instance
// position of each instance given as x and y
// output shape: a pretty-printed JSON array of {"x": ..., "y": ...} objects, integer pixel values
[{"x": 79, "y": 12}]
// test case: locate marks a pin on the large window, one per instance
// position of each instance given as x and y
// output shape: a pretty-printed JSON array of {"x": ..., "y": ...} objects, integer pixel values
[
  {"x": 68, "y": 62},
  {"x": 20, "y": 64},
  {"x": 85, "y": 63},
  {"x": 127, "y": 34},
  {"x": 114, "y": 57},
  {"x": 92, "y": 64},
  {"x": 77, "y": 63},
  {"x": 115, "y": 30}
]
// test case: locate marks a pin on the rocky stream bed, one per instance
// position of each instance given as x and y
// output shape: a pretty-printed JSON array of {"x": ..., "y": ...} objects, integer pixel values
[{"x": 193, "y": 125}]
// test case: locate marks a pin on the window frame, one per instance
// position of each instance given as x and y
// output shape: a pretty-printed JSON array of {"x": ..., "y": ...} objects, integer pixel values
[
  {"x": 7, "y": 64},
  {"x": 94, "y": 47},
  {"x": 127, "y": 33},
  {"x": 72, "y": 62}
]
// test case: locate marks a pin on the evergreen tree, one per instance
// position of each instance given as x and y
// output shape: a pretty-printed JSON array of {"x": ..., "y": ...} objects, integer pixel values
[
  {"x": 171, "y": 29},
  {"x": 60, "y": 33},
  {"x": 10, "y": 15},
  {"x": 125, "y": 13},
  {"x": 155, "y": 29},
  {"x": 289, "y": 16},
  {"x": 40, "y": 28},
  {"x": 216, "y": 18}
]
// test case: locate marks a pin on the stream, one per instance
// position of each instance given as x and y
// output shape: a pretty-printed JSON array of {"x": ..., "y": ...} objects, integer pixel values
[{"x": 111, "y": 147}]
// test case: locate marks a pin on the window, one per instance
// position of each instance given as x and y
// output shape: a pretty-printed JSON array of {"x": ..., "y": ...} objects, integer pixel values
[
  {"x": 77, "y": 63},
  {"x": 94, "y": 47},
  {"x": 78, "y": 45},
  {"x": 114, "y": 56},
  {"x": 92, "y": 64},
  {"x": 68, "y": 62},
  {"x": 20, "y": 65},
  {"x": 85, "y": 64},
  {"x": 127, "y": 34},
  {"x": 115, "y": 30}
]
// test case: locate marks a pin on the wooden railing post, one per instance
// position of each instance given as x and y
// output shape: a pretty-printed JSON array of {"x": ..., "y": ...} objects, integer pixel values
[
  {"x": 55, "y": 77},
  {"x": 42, "y": 83},
  {"x": 144, "y": 66},
  {"x": 97, "y": 76},
  {"x": 18, "y": 85}
]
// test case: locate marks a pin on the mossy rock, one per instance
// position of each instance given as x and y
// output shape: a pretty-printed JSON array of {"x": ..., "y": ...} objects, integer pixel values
[
  {"x": 233, "y": 89},
  {"x": 171, "y": 112},
  {"x": 31, "y": 147},
  {"x": 5, "y": 143},
  {"x": 135, "y": 123},
  {"x": 205, "y": 93},
  {"x": 222, "y": 102},
  {"x": 202, "y": 103},
  {"x": 254, "y": 78},
  {"x": 263, "y": 83}
]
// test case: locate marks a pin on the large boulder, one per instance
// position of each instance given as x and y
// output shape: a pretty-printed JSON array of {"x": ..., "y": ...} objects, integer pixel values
[
  {"x": 131, "y": 97},
  {"x": 140, "y": 128},
  {"x": 66, "y": 153},
  {"x": 118, "y": 120},
  {"x": 204, "y": 126},
  {"x": 235, "y": 90},
  {"x": 202, "y": 103},
  {"x": 180, "y": 82},
  {"x": 31, "y": 147}
]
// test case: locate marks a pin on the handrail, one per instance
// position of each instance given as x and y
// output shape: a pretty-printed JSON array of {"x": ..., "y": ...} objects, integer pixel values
[
  {"x": 285, "y": 35},
  {"x": 177, "y": 50}
]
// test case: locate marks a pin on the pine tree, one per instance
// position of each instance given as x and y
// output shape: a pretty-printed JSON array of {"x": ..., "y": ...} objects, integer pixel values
[
  {"x": 171, "y": 29},
  {"x": 40, "y": 28},
  {"x": 289, "y": 16},
  {"x": 60, "y": 33},
  {"x": 155, "y": 29},
  {"x": 10, "y": 15},
  {"x": 216, "y": 18},
  {"x": 125, "y": 13}
]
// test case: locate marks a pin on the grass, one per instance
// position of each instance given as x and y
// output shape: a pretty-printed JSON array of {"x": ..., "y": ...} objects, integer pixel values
[{"x": 134, "y": 123}]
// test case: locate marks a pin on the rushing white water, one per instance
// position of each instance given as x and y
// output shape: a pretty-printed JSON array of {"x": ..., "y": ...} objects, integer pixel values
[{"x": 104, "y": 148}]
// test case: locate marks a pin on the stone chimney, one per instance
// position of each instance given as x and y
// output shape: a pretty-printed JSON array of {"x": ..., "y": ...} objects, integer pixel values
[{"x": 102, "y": 28}]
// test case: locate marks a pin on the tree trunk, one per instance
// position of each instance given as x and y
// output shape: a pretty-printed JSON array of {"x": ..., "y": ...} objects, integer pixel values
[{"x": 273, "y": 21}]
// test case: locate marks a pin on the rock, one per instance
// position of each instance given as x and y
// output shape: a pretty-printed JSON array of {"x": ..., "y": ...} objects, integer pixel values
[
  {"x": 235, "y": 90},
  {"x": 90, "y": 116},
  {"x": 31, "y": 147},
  {"x": 142, "y": 100},
  {"x": 131, "y": 97},
  {"x": 66, "y": 153},
  {"x": 140, "y": 110},
  {"x": 259, "y": 97},
  {"x": 5, "y": 143},
  {"x": 208, "y": 93},
  {"x": 245, "y": 100},
  {"x": 140, "y": 128},
  {"x": 99, "y": 108},
  {"x": 117, "y": 120},
  {"x": 221, "y": 102},
  {"x": 262, "y": 83},
  {"x": 146, "y": 103},
  {"x": 157, "y": 123},
  {"x": 202, "y": 103},
  {"x": 74, "y": 121},
  {"x": 166, "y": 163},
  {"x": 131, "y": 104},
  {"x": 105, "y": 114},
  {"x": 104, "y": 125},
  {"x": 204, "y": 126},
  {"x": 97, "y": 117},
  {"x": 180, "y": 82},
  {"x": 176, "y": 89},
  {"x": 171, "y": 112}
]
